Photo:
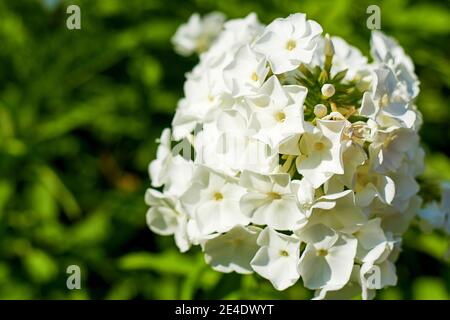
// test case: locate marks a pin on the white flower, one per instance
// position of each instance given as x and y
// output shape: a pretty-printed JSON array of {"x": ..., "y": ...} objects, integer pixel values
[
  {"x": 174, "y": 172},
  {"x": 437, "y": 215},
  {"x": 321, "y": 152},
  {"x": 198, "y": 34},
  {"x": 278, "y": 111},
  {"x": 246, "y": 73},
  {"x": 201, "y": 97},
  {"x": 385, "y": 49},
  {"x": 240, "y": 148},
  {"x": 405, "y": 185},
  {"x": 327, "y": 261},
  {"x": 307, "y": 199},
  {"x": 236, "y": 33},
  {"x": 351, "y": 289},
  {"x": 158, "y": 167},
  {"x": 372, "y": 242},
  {"x": 377, "y": 276},
  {"x": 340, "y": 212},
  {"x": 213, "y": 201},
  {"x": 232, "y": 251},
  {"x": 370, "y": 185},
  {"x": 270, "y": 200},
  {"x": 289, "y": 42},
  {"x": 277, "y": 259},
  {"x": 353, "y": 157},
  {"x": 389, "y": 148},
  {"x": 388, "y": 104},
  {"x": 396, "y": 221},
  {"x": 229, "y": 146},
  {"x": 416, "y": 160},
  {"x": 179, "y": 174},
  {"x": 166, "y": 217}
]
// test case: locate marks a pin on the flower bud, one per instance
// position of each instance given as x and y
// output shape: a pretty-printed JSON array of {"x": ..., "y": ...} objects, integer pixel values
[
  {"x": 329, "y": 48},
  {"x": 328, "y": 90},
  {"x": 320, "y": 110}
]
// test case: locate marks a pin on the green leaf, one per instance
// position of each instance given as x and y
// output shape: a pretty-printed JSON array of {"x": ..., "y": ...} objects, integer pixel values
[
  {"x": 59, "y": 190},
  {"x": 93, "y": 230},
  {"x": 40, "y": 266},
  {"x": 167, "y": 262},
  {"x": 43, "y": 202}
]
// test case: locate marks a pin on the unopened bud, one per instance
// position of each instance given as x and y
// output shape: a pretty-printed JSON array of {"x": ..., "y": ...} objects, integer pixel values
[
  {"x": 320, "y": 110},
  {"x": 328, "y": 90},
  {"x": 329, "y": 48}
]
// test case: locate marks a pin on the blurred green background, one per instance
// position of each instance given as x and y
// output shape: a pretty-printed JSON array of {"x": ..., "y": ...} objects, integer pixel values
[{"x": 79, "y": 114}]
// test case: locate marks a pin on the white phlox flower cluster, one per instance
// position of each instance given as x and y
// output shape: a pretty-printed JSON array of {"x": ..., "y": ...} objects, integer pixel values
[{"x": 291, "y": 155}]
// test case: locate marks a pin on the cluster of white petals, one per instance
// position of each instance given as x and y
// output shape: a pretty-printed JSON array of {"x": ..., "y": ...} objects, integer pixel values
[
  {"x": 436, "y": 215},
  {"x": 291, "y": 155}
]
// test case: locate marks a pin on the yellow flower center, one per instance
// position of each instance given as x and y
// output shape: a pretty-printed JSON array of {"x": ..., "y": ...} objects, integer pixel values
[
  {"x": 322, "y": 252},
  {"x": 284, "y": 253},
  {"x": 255, "y": 77},
  {"x": 319, "y": 146},
  {"x": 384, "y": 100},
  {"x": 217, "y": 196},
  {"x": 274, "y": 195},
  {"x": 363, "y": 179},
  {"x": 280, "y": 116},
  {"x": 202, "y": 44},
  {"x": 290, "y": 45}
]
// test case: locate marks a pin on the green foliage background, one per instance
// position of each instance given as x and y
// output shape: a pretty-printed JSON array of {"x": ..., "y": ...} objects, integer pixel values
[{"x": 79, "y": 115}]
